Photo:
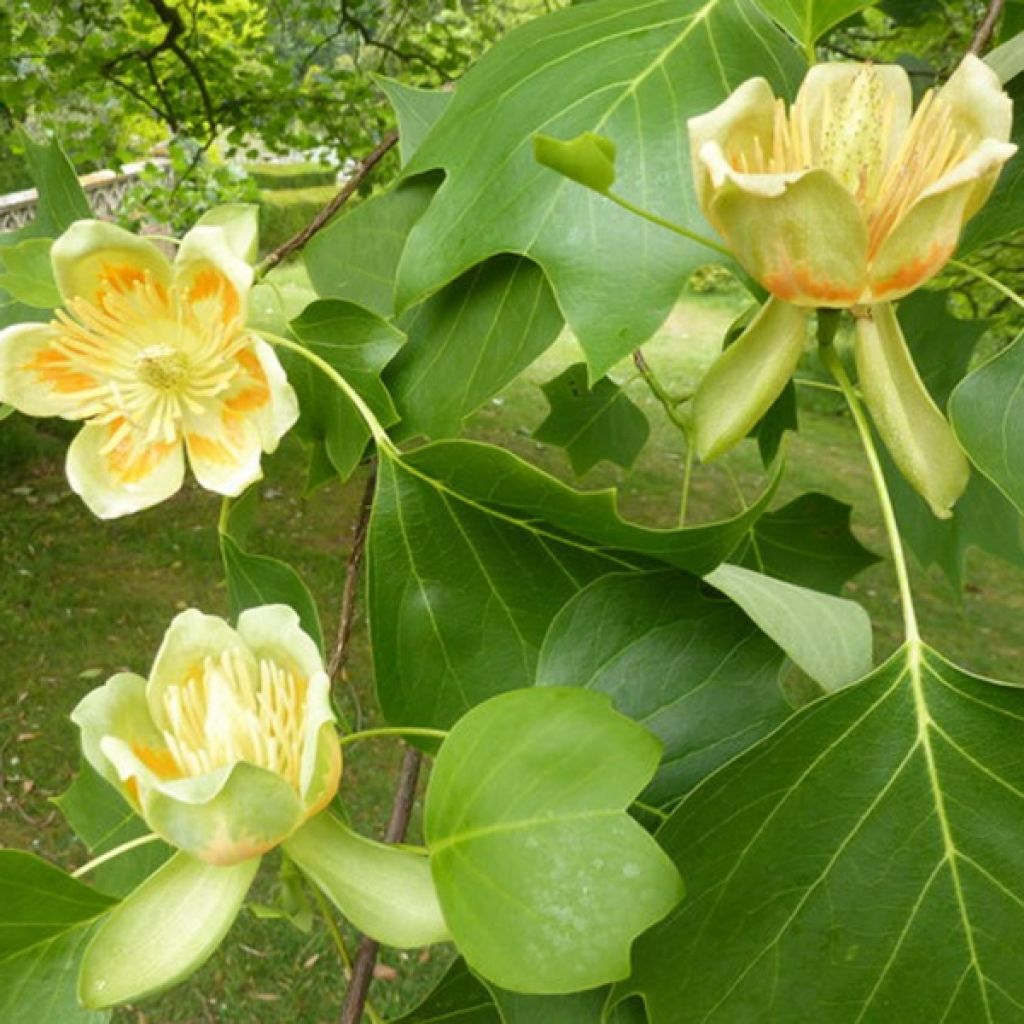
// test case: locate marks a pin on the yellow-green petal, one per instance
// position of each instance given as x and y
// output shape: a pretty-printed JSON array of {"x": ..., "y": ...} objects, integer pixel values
[
  {"x": 801, "y": 236},
  {"x": 927, "y": 235},
  {"x": 747, "y": 377},
  {"x": 39, "y": 380},
  {"x": 917, "y": 435},
  {"x": 224, "y": 448},
  {"x": 162, "y": 931},
  {"x": 387, "y": 893},
  {"x": 93, "y": 257},
  {"x": 117, "y": 708},
  {"x": 226, "y": 816},
  {"x": 115, "y": 477},
  {"x": 980, "y": 107},
  {"x": 745, "y": 116},
  {"x": 240, "y": 223}
]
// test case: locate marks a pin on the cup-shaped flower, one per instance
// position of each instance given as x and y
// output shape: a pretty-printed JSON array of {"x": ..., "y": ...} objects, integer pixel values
[
  {"x": 847, "y": 198},
  {"x": 155, "y": 358},
  {"x": 230, "y": 744}
]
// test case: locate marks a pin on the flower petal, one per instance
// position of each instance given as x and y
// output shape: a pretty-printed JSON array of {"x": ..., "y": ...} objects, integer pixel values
[
  {"x": 746, "y": 115},
  {"x": 981, "y": 108},
  {"x": 926, "y": 236},
  {"x": 920, "y": 440},
  {"x": 162, "y": 931},
  {"x": 385, "y": 892},
  {"x": 212, "y": 276},
  {"x": 191, "y": 638},
  {"x": 747, "y": 377},
  {"x": 115, "y": 474},
  {"x": 801, "y": 236},
  {"x": 118, "y": 708},
  {"x": 261, "y": 390},
  {"x": 225, "y": 817},
  {"x": 93, "y": 257},
  {"x": 224, "y": 448},
  {"x": 38, "y": 379},
  {"x": 834, "y": 81},
  {"x": 273, "y": 631}
]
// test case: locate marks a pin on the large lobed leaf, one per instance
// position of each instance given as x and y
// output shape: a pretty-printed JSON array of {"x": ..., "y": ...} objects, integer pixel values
[
  {"x": 631, "y": 71},
  {"x": 861, "y": 864}
]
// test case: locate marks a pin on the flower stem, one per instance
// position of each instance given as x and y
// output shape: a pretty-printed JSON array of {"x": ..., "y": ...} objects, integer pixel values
[
  {"x": 396, "y": 730},
  {"x": 831, "y": 359},
  {"x": 373, "y": 424},
  {"x": 115, "y": 852},
  {"x": 989, "y": 280},
  {"x": 693, "y": 236}
]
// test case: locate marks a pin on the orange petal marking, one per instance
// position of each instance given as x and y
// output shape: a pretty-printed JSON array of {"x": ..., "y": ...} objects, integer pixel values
[
  {"x": 791, "y": 282},
  {"x": 915, "y": 272},
  {"x": 207, "y": 448},
  {"x": 212, "y": 284},
  {"x": 51, "y": 367},
  {"x": 130, "y": 463},
  {"x": 258, "y": 393},
  {"x": 160, "y": 762}
]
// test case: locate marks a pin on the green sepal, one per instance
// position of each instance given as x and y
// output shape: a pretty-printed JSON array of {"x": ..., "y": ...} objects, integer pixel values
[
  {"x": 588, "y": 159},
  {"x": 747, "y": 378},
  {"x": 917, "y": 435},
  {"x": 163, "y": 931},
  {"x": 386, "y": 892}
]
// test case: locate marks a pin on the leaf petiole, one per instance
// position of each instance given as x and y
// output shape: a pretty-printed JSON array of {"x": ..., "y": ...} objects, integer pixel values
[
  {"x": 693, "y": 236},
  {"x": 993, "y": 282},
  {"x": 396, "y": 730}
]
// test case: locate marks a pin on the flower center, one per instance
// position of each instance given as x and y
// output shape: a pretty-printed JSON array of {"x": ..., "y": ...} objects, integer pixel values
[
  {"x": 163, "y": 367},
  {"x": 231, "y": 709},
  {"x": 849, "y": 135}
]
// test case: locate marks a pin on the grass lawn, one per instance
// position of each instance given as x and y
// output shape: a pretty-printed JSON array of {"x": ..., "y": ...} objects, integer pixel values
[{"x": 80, "y": 599}]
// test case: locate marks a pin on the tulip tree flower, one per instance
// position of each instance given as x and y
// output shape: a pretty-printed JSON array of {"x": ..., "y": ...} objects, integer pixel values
[
  {"x": 846, "y": 200},
  {"x": 154, "y": 357}
]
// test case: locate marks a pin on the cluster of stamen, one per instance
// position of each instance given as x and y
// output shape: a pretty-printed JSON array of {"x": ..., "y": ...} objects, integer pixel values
[
  {"x": 851, "y": 142},
  {"x": 231, "y": 711},
  {"x": 151, "y": 358}
]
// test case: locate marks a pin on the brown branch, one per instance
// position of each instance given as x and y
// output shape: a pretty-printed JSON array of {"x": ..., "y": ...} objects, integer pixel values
[
  {"x": 985, "y": 29},
  {"x": 366, "y": 957},
  {"x": 352, "y": 566},
  {"x": 358, "y": 176}
]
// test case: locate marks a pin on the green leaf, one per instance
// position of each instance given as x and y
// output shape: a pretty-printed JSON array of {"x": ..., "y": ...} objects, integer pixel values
[
  {"x": 468, "y": 341},
  {"x": 631, "y": 72},
  {"x": 808, "y": 20},
  {"x": 458, "y": 997},
  {"x": 61, "y": 202},
  {"x": 464, "y": 343},
  {"x": 27, "y": 274},
  {"x": 416, "y": 110},
  {"x": 592, "y": 423},
  {"x": 577, "y": 1008},
  {"x": 870, "y": 837},
  {"x": 688, "y": 665},
  {"x": 358, "y": 344},
  {"x": 386, "y": 892},
  {"x": 828, "y": 637},
  {"x": 103, "y": 821},
  {"x": 1007, "y": 59},
  {"x": 255, "y": 580},
  {"x": 589, "y": 159},
  {"x": 808, "y": 542},
  {"x": 356, "y": 256},
  {"x": 471, "y": 554},
  {"x": 163, "y": 931},
  {"x": 459, "y": 596},
  {"x": 44, "y": 923},
  {"x": 543, "y": 877},
  {"x": 987, "y": 413}
]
